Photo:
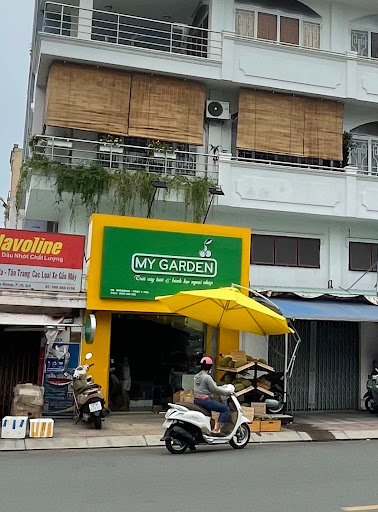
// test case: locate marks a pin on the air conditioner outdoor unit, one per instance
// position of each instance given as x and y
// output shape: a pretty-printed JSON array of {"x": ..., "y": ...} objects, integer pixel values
[{"x": 217, "y": 110}]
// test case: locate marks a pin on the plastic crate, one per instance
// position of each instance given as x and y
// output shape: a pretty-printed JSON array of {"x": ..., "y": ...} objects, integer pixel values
[
  {"x": 41, "y": 427},
  {"x": 14, "y": 427}
]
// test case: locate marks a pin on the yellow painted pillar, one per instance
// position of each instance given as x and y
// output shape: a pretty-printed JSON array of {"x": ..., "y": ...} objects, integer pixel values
[
  {"x": 228, "y": 341},
  {"x": 100, "y": 349}
]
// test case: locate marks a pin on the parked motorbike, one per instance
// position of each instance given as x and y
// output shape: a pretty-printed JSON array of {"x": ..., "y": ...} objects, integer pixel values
[
  {"x": 89, "y": 397},
  {"x": 276, "y": 404},
  {"x": 188, "y": 425}
]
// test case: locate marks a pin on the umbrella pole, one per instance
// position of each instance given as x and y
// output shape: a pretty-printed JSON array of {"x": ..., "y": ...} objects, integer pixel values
[
  {"x": 286, "y": 369},
  {"x": 214, "y": 349}
]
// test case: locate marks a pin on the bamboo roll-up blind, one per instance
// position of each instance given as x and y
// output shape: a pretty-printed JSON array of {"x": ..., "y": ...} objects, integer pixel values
[
  {"x": 327, "y": 123},
  {"x": 290, "y": 125},
  {"x": 88, "y": 98},
  {"x": 168, "y": 109}
]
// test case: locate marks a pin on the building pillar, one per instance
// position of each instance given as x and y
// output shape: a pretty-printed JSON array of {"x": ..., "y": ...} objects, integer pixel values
[
  {"x": 84, "y": 29},
  {"x": 100, "y": 348}
]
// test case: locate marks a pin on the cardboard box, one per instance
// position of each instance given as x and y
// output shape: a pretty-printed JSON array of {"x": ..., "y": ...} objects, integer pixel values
[
  {"x": 255, "y": 426},
  {"x": 30, "y": 411},
  {"x": 271, "y": 426},
  {"x": 260, "y": 408},
  {"x": 249, "y": 413},
  {"x": 30, "y": 394},
  {"x": 183, "y": 396}
]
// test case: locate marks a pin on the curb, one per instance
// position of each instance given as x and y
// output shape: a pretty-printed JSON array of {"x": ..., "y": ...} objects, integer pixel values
[{"x": 66, "y": 443}]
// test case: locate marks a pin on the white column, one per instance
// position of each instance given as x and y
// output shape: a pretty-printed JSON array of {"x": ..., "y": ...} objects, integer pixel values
[
  {"x": 225, "y": 178},
  {"x": 85, "y": 19}
]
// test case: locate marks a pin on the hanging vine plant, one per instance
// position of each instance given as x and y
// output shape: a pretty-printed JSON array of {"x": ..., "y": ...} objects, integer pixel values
[{"x": 90, "y": 184}]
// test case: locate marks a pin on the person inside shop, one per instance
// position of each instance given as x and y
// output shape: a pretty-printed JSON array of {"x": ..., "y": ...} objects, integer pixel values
[
  {"x": 125, "y": 380},
  {"x": 204, "y": 387}
]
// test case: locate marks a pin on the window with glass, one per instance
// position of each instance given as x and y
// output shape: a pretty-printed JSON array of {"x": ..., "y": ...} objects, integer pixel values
[
  {"x": 277, "y": 27},
  {"x": 285, "y": 251},
  {"x": 363, "y": 256},
  {"x": 365, "y": 43}
]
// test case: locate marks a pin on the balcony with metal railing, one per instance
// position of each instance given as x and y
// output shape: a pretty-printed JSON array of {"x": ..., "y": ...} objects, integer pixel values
[
  {"x": 298, "y": 188},
  {"x": 128, "y": 31},
  {"x": 114, "y": 156}
]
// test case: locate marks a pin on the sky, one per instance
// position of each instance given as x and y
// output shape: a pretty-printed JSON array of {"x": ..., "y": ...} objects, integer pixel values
[{"x": 15, "y": 43}]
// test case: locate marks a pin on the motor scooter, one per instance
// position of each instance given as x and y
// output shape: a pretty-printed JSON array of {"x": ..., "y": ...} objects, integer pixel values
[
  {"x": 188, "y": 425},
  {"x": 88, "y": 396},
  {"x": 371, "y": 395}
]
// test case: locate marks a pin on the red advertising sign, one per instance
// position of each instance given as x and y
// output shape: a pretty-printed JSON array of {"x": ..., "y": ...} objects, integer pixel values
[{"x": 40, "y": 261}]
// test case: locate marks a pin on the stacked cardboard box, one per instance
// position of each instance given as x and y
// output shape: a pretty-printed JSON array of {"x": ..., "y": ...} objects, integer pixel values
[{"x": 28, "y": 401}]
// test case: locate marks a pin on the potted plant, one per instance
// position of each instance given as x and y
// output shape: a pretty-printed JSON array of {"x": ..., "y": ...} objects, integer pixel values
[
  {"x": 162, "y": 150},
  {"x": 110, "y": 143}
]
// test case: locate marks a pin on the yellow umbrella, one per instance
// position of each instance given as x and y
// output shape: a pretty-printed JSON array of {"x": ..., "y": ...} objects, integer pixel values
[{"x": 227, "y": 308}]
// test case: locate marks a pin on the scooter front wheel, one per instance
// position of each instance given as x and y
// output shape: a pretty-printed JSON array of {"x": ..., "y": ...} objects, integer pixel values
[
  {"x": 241, "y": 437},
  {"x": 176, "y": 446}
]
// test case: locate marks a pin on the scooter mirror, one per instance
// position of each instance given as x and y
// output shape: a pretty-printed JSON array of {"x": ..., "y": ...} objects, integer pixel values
[{"x": 88, "y": 356}]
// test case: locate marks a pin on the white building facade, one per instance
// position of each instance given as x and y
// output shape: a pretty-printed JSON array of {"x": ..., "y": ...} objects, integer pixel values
[{"x": 289, "y": 132}]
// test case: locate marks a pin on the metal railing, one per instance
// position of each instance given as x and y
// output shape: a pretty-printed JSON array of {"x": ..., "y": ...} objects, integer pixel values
[
  {"x": 77, "y": 152},
  {"x": 294, "y": 165},
  {"x": 125, "y": 30}
]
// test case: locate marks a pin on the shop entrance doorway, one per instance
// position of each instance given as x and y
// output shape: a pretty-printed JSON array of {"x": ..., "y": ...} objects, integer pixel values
[
  {"x": 152, "y": 357},
  {"x": 19, "y": 360}
]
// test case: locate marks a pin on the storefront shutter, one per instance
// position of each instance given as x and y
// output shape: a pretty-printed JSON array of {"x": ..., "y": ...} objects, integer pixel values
[
  {"x": 267, "y": 26},
  {"x": 88, "y": 98},
  {"x": 289, "y": 30},
  {"x": 167, "y": 109},
  {"x": 289, "y": 125}
]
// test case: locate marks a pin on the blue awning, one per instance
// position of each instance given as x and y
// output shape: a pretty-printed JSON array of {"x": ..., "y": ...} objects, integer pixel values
[{"x": 327, "y": 310}]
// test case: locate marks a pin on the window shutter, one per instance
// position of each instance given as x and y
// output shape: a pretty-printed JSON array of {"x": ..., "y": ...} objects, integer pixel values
[
  {"x": 289, "y": 30},
  {"x": 267, "y": 26},
  {"x": 88, "y": 98},
  {"x": 311, "y": 34},
  {"x": 290, "y": 125},
  {"x": 245, "y": 23},
  {"x": 167, "y": 109}
]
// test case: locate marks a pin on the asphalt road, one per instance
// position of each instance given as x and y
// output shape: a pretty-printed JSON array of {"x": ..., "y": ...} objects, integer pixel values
[{"x": 298, "y": 477}]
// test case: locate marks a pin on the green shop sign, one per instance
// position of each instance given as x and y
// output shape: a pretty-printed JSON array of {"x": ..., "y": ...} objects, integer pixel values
[{"x": 142, "y": 264}]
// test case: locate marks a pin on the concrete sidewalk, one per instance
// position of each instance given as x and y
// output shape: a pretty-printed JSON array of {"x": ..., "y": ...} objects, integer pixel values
[{"x": 145, "y": 429}]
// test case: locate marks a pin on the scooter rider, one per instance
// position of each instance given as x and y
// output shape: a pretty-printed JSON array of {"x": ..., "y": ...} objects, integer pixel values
[{"x": 204, "y": 387}]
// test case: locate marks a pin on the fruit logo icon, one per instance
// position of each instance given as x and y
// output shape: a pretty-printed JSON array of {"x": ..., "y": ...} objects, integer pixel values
[{"x": 205, "y": 252}]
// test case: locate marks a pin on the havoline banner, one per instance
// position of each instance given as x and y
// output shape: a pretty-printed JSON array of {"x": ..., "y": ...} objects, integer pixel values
[{"x": 142, "y": 264}]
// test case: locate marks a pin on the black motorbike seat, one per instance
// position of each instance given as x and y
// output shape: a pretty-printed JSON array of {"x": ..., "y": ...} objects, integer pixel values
[{"x": 195, "y": 407}]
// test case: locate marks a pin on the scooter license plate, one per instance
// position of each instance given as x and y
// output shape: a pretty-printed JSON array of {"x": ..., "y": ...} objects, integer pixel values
[
  {"x": 167, "y": 423},
  {"x": 95, "y": 406}
]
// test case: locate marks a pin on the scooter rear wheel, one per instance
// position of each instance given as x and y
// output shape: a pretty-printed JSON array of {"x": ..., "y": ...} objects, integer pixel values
[
  {"x": 97, "y": 422},
  {"x": 241, "y": 437},
  {"x": 176, "y": 446},
  {"x": 369, "y": 405}
]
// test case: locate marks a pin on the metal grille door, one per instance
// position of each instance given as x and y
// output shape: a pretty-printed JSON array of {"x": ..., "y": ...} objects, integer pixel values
[
  {"x": 337, "y": 362},
  {"x": 326, "y": 371},
  {"x": 19, "y": 356}
]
